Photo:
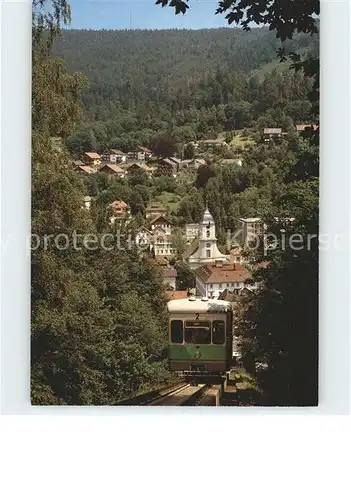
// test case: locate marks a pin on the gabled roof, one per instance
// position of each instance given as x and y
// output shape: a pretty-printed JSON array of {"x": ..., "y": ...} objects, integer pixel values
[
  {"x": 93, "y": 156},
  {"x": 84, "y": 168},
  {"x": 168, "y": 162},
  {"x": 78, "y": 163},
  {"x": 117, "y": 152},
  {"x": 159, "y": 217},
  {"x": 145, "y": 150},
  {"x": 226, "y": 273},
  {"x": 143, "y": 229},
  {"x": 142, "y": 166},
  {"x": 118, "y": 205},
  {"x": 112, "y": 167},
  {"x": 188, "y": 252}
]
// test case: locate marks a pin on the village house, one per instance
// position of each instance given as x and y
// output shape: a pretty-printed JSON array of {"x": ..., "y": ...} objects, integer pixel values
[
  {"x": 167, "y": 167},
  {"x": 169, "y": 277},
  {"x": 146, "y": 151},
  {"x": 143, "y": 239},
  {"x": 231, "y": 161},
  {"x": 118, "y": 210},
  {"x": 270, "y": 134},
  {"x": 87, "y": 202},
  {"x": 139, "y": 167},
  {"x": 92, "y": 159},
  {"x": 113, "y": 156},
  {"x": 214, "y": 143},
  {"x": 162, "y": 243},
  {"x": 112, "y": 170},
  {"x": 249, "y": 230},
  {"x": 139, "y": 154},
  {"x": 154, "y": 209},
  {"x": 213, "y": 279},
  {"x": 302, "y": 127},
  {"x": 161, "y": 222},
  {"x": 191, "y": 232},
  {"x": 236, "y": 256},
  {"x": 165, "y": 271},
  {"x": 84, "y": 169},
  {"x": 77, "y": 163}
]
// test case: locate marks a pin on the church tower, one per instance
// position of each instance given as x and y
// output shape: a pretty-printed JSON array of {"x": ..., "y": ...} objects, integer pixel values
[
  {"x": 207, "y": 236},
  {"x": 207, "y": 251}
]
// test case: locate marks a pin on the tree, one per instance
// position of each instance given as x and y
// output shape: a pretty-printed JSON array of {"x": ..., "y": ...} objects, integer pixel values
[
  {"x": 185, "y": 276},
  {"x": 189, "y": 151},
  {"x": 164, "y": 146},
  {"x": 178, "y": 241},
  {"x": 204, "y": 174},
  {"x": 89, "y": 342}
]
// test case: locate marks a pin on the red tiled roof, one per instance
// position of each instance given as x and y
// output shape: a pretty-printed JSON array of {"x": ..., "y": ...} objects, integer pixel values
[
  {"x": 177, "y": 294},
  {"x": 226, "y": 273},
  {"x": 117, "y": 205}
]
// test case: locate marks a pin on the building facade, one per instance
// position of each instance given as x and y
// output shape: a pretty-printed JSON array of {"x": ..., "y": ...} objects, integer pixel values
[
  {"x": 207, "y": 251},
  {"x": 213, "y": 279}
]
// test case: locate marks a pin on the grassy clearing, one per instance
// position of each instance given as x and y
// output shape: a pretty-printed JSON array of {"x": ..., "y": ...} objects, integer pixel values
[
  {"x": 239, "y": 140},
  {"x": 169, "y": 200}
]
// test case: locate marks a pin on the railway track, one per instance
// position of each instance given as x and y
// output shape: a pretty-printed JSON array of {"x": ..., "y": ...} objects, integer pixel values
[{"x": 181, "y": 394}]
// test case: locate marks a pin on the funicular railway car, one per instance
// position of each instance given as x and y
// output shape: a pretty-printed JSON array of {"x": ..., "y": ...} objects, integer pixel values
[{"x": 200, "y": 337}]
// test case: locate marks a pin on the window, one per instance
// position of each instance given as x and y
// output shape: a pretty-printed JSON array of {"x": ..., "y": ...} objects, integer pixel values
[
  {"x": 207, "y": 234},
  {"x": 220, "y": 286},
  {"x": 211, "y": 285},
  {"x": 218, "y": 332},
  {"x": 177, "y": 331},
  {"x": 208, "y": 253},
  {"x": 208, "y": 245},
  {"x": 197, "y": 332}
]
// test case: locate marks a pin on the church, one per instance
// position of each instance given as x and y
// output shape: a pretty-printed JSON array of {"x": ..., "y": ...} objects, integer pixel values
[{"x": 204, "y": 249}]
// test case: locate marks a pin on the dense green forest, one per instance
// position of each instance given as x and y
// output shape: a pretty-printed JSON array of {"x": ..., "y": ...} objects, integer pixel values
[
  {"x": 188, "y": 84},
  {"x": 98, "y": 318}
]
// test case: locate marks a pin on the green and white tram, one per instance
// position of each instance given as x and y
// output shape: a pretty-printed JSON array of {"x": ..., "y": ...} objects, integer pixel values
[{"x": 200, "y": 336}]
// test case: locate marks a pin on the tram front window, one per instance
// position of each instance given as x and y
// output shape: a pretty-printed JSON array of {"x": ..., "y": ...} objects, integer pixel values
[
  {"x": 197, "y": 332},
  {"x": 177, "y": 331},
  {"x": 218, "y": 332}
]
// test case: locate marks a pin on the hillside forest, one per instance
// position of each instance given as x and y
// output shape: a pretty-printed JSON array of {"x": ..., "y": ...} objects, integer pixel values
[{"x": 98, "y": 327}]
